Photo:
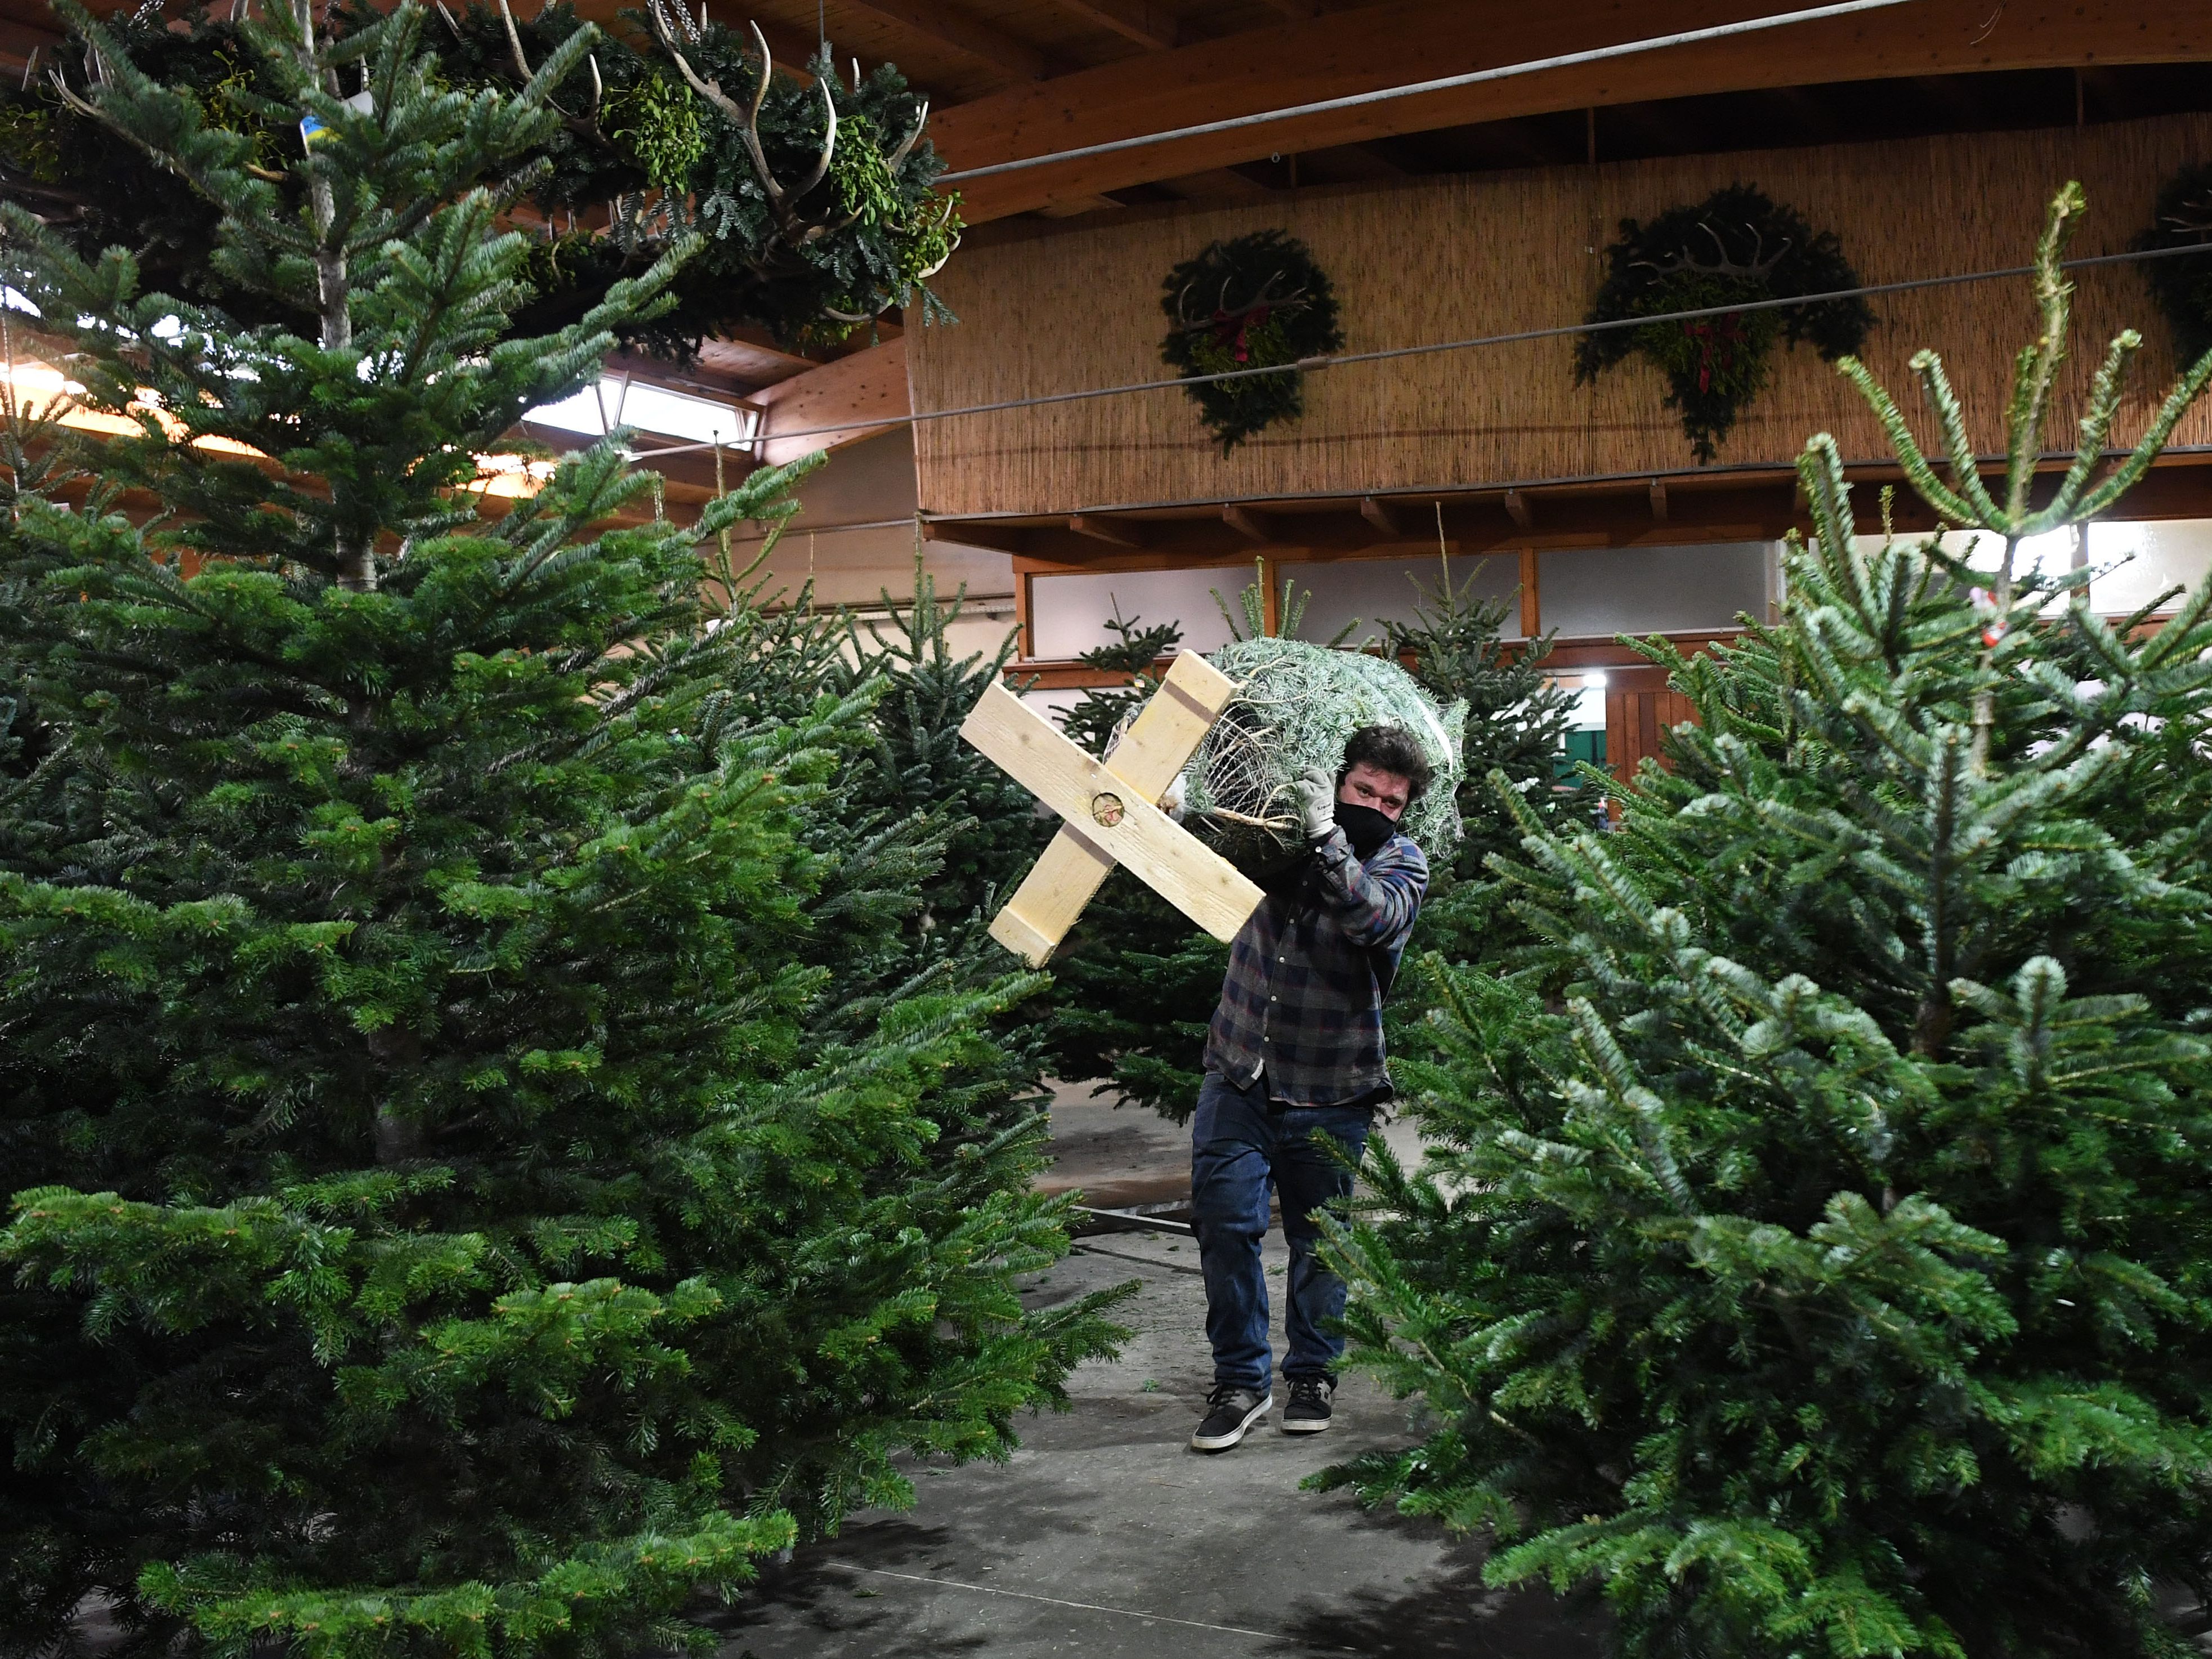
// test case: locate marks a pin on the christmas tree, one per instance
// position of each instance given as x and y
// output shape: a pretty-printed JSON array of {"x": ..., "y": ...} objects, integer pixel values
[
  {"x": 457, "y": 1205},
  {"x": 1517, "y": 721},
  {"x": 920, "y": 766},
  {"x": 1826, "y": 1270}
]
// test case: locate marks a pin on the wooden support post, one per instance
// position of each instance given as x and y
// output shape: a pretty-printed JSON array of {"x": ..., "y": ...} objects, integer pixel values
[
  {"x": 1532, "y": 612},
  {"x": 1110, "y": 811},
  {"x": 1270, "y": 602}
]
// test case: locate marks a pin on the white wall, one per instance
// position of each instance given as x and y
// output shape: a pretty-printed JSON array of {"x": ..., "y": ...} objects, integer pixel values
[
  {"x": 1372, "y": 594},
  {"x": 1599, "y": 591},
  {"x": 871, "y": 482}
]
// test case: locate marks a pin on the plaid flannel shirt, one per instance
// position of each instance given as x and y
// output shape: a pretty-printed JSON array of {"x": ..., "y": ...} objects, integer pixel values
[{"x": 1301, "y": 1002}]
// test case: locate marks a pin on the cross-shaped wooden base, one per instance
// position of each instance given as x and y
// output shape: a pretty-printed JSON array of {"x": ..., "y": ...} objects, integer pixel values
[{"x": 1112, "y": 811}]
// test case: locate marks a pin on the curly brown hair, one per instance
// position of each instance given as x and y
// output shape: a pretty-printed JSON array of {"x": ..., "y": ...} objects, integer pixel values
[{"x": 1389, "y": 748}]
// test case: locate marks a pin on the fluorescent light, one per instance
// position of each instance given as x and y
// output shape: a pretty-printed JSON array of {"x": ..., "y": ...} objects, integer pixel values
[{"x": 1594, "y": 680}]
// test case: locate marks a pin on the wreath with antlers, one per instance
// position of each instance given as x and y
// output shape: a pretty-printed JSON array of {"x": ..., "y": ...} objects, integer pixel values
[
  {"x": 1735, "y": 246},
  {"x": 2182, "y": 288},
  {"x": 1257, "y": 302}
]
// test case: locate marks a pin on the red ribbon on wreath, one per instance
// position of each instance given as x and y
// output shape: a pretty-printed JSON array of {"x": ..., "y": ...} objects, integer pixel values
[
  {"x": 1717, "y": 339},
  {"x": 1229, "y": 328}
]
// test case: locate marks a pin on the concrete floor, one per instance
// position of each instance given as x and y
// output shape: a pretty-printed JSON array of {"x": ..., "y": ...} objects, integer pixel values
[{"x": 1107, "y": 1537}]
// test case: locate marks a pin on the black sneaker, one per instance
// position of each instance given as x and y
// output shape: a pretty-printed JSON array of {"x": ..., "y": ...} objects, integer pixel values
[
  {"x": 1230, "y": 1410},
  {"x": 1307, "y": 1410}
]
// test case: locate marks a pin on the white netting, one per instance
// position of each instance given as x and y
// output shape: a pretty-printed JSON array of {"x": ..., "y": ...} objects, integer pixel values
[{"x": 1295, "y": 707}]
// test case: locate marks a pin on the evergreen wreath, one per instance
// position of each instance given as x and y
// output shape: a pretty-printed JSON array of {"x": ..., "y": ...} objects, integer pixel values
[
  {"x": 2182, "y": 288},
  {"x": 1254, "y": 302},
  {"x": 1735, "y": 246}
]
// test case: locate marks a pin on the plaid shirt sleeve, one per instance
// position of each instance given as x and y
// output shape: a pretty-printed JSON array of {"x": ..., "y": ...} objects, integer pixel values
[{"x": 1301, "y": 1001}]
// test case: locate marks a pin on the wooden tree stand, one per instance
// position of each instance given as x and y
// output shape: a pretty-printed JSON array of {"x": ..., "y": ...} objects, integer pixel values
[{"x": 1111, "y": 811}]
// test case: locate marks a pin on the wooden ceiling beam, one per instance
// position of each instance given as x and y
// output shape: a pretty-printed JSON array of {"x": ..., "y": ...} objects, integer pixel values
[
  {"x": 1015, "y": 59},
  {"x": 1247, "y": 523},
  {"x": 1376, "y": 46},
  {"x": 1617, "y": 514},
  {"x": 1146, "y": 23},
  {"x": 868, "y": 386},
  {"x": 1115, "y": 532},
  {"x": 1380, "y": 513},
  {"x": 1220, "y": 184}
]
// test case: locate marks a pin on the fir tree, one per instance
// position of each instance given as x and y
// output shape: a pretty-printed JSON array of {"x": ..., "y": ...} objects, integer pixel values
[
  {"x": 1517, "y": 727},
  {"x": 1825, "y": 1272},
  {"x": 920, "y": 766},
  {"x": 447, "y": 1217}
]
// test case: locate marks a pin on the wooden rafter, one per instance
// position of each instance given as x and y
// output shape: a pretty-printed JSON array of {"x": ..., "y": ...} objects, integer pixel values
[
  {"x": 1117, "y": 533},
  {"x": 870, "y": 386},
  {"x": 1149, "y": 23},
  {"x": 1247, "y": 523},
  {"x": 1380, "y": 513},
  {"x": 1376, "y": 46},
  {"x": 971, "y": 37},
  {"x": 1220, "y": 184},
  {"x": 1476, "y": 523}
]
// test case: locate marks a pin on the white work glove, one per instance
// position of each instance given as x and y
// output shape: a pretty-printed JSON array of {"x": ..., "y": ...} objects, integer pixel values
[{"x": 1317, "y": 794}]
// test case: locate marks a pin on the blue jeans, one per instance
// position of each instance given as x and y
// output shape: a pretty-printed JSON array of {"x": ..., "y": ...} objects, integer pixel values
[{"x": 1237, "y": 1147}]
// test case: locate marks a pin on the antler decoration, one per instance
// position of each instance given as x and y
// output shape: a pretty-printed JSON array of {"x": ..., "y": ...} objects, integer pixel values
[
  {"x": 746, "y": 119},
  {"x": 1230, "y": 325},
  {"x": 2192, "y": 217},
  {"x": 1757, "y": 268},
  {"x": 587, "y": 123}
]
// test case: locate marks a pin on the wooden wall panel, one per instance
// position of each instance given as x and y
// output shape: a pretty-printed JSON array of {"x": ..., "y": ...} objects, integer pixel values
[
  {"x": 1441, "y": 259},
  {"x": 1639, "y": 711}
]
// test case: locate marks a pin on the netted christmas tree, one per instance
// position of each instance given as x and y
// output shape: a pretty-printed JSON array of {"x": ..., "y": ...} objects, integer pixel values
[
  {"x": 1826, "y": 1271},
  {"x": 1296, "y": 706},
  {"x": 478, "y": 1181}
]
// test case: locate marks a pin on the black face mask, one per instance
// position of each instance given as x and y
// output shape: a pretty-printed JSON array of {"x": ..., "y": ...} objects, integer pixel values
[{"x": 1365, "y": 827}]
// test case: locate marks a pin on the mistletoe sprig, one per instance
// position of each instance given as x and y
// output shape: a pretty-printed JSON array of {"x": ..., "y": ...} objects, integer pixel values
[
  {"x": 1254, "y": 302},
  {"x": 1735, "y": 246}
]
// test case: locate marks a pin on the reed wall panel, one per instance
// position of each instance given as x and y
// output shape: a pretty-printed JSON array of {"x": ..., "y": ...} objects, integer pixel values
[{"x": 1444, "y": 259}]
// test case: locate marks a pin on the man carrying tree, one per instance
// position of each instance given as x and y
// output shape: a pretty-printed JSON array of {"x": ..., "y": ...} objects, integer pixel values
[{"x": 1295, "y": 1047}]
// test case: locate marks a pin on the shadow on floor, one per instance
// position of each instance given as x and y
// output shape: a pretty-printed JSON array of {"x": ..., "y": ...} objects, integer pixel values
[{"x": 1456, "y": 1615}]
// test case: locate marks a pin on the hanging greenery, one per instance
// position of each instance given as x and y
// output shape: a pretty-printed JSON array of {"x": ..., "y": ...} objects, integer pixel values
[
  {"x": 814, "y": 200},
  {"x": 2182, "y": 288},
  {"x": 657, "y": 121},
  {"x": 1255, "y": 302},
  {"x": 1735, "y": 246}
]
